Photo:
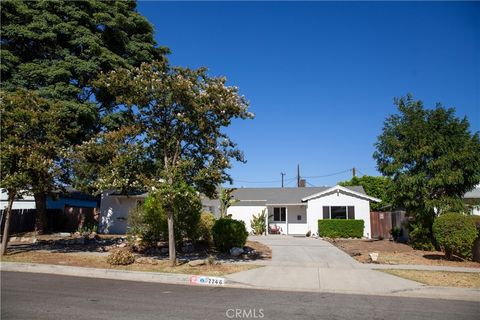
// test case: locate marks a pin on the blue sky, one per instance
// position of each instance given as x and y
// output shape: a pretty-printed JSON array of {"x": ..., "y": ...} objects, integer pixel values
[{"x": 321, "y": 76}]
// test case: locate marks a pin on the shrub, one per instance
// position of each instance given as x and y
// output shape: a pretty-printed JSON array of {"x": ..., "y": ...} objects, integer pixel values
[
  {"x": 229, "y": 233},
  {"x": 121, "y": 256},
  {"x": 149, "y": 221},
  {"x": 204, "y": 230},
  {"x": 455, "y": 233},
  {"x": 258, "y": 223},
  {"x": 396, "y": 233},
  {"x": 341, "y": 228},
  {"x": 420, "y": 238}
]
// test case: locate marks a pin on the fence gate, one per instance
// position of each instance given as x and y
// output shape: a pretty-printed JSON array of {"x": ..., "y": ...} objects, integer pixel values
[{"x": 381, "y": 224}]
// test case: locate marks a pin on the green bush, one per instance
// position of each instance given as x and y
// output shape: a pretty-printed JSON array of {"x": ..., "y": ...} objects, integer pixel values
[
  {"x": 204, "y": 231},
  {"x": 258, "y": 223},
  {"x": 341, "y": 228},
  {"x": 455, "y": 233},
  {"x": 229, "y": 233},
  {"x": 121, "y": 256},
  {"x": 420, "y": 238},
  {"x": 149, "y": 221}
]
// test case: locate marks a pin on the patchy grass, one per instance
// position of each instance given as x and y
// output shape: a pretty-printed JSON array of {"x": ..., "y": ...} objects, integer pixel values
[
  {"x": 98, "y": 260},
  {"x": 440, "y": 278},
  {"x": 263, "y": 251},
  {"x": 390, "y": 252}
]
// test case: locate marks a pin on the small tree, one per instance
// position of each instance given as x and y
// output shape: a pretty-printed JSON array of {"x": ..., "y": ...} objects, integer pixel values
[
  {"x": 431, "y": 157},
  {"x": 226, "y": 200}
]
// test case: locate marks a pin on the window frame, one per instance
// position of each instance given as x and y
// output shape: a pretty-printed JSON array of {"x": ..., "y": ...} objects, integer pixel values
[{"x": 281, "y": 214}]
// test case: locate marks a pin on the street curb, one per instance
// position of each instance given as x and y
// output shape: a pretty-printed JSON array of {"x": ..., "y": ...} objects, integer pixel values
[{"x": 428, "y": 292}]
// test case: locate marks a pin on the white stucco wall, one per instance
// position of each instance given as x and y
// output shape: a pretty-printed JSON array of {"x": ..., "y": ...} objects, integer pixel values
[
  {"x": 315, "y": 209},
  {"x": 245, "y": 213},
  {"x": 26, "y": 202},
  {"x": 114, "y": 212}
]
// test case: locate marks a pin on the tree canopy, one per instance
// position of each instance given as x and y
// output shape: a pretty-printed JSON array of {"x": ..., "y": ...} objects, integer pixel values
[
  {"x": 377, "y": 187},
  {"x": 431, "y": 157},
  {"x": 54, "y": 50}
]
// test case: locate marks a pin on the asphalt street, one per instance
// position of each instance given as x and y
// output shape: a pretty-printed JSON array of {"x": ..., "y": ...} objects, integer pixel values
[{"x": 42, "y": 296}]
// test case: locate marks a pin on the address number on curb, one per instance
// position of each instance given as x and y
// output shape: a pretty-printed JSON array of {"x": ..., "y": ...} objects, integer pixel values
[{"x": 203, "y": 280}]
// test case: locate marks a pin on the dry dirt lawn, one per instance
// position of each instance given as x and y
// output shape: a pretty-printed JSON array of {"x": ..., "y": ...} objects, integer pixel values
[
  {"x": 440, "y": 278},
  {"x": 391, "y": 252},
  {"x": 98, "y": 260}
]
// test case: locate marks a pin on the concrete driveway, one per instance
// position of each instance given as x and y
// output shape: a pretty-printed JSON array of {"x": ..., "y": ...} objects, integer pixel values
[{"x": 300, "y": 263}]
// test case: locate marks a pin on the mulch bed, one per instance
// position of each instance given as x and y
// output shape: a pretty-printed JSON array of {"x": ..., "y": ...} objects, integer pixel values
[{"x": 391, "y": 252}]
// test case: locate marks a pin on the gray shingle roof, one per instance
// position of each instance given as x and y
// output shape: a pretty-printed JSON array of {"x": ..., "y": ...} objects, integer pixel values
[{"x": 280, "y": 195}]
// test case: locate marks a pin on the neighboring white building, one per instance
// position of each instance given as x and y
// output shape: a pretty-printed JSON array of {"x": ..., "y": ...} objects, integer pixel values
[
  {"x": 25, "y": 201},
  {"x": 472, "y": 198},
  {"x": 295, "y": 211}
]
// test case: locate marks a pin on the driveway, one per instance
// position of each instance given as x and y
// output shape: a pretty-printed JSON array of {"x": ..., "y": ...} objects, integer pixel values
[{"x": 300, "y": 263}]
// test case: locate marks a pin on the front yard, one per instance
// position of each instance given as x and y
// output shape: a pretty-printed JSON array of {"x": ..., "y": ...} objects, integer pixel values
[
  {"x": 98, "y": 260},
  {"x": 440, "y": 278},
  {"x": 390, "y": 252},
  {"x": 92, "y": 252}
]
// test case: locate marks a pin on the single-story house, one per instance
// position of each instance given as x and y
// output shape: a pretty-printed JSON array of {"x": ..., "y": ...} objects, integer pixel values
[{"x": 293, "y": 211}]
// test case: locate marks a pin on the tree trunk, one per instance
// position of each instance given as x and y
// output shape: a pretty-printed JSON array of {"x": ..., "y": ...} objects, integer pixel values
[
  {"x": 171, "y": 238},
  {"x": 6, "y": 228},
  {"x": 41, "y": 218}
]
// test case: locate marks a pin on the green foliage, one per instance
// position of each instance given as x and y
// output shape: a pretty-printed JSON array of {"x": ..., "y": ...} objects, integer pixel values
[
  {"x": 120, "y": 256},
  {"x": 149, "y": 221},
  {"x": 226, "y": 200},
  {"x": 176, "y": 128},
  {"x": 431, "y": 157},
  {"x": 229, "y": 233},
  {"x": 374, "y": 186},
  {"x": 396, "y": 233},
  {"x": 455, "y": 233},
  {"x": 258, "y": 223},
  {"x": 341, "y": 228},
  {"x": 54, "y": 49},
  {"x": 420, "y": 238},
  {"x": 207, "y": 221}
]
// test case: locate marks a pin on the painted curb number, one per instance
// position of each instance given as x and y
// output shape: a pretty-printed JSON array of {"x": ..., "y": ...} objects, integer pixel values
[{"x": 203, "y": 280}]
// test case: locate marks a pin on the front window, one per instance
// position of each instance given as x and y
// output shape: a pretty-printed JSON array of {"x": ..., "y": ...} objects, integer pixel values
[
  {"x": 338, "y": 212},
  {"x": 279, "y": 214}
]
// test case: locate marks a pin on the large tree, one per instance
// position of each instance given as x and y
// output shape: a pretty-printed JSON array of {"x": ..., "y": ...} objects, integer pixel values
[
  {"x": 57, "y": 48},
  {"x": 431, "y": 156},
  {"x": 175, "y": 133},
  {"x": 377, "y": 187},
  {"x": 32, "y": 133}
]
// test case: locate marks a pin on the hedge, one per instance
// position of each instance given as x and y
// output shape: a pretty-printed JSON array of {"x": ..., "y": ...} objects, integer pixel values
[{"x": 341, "y": 228}]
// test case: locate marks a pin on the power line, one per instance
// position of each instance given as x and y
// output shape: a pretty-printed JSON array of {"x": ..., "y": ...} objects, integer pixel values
[{"x": 328, "y": 175}]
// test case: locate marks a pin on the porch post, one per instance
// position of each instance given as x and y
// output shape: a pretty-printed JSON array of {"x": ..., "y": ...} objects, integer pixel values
[
  {"x": 286, "y": 217},
  {"x": 266, "y": 222}
]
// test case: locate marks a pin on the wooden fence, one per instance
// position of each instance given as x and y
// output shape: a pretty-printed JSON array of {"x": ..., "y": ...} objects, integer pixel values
[
  {"x": 68, "y": 220},
  {"x": 381, "y": 224}
]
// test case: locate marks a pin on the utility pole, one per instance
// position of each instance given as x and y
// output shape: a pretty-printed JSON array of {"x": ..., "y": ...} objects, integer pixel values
[
  {"x": 282, "y": 177},
  {"x": 354, "y": 172},
  {"x": 298, "y": 176}
]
